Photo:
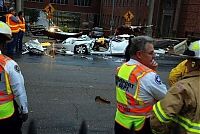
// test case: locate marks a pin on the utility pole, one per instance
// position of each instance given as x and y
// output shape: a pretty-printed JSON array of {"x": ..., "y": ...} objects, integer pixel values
[
  {"x": 19, "y": 5},
  {"x": 150, "y": 4},
  {"x": 177, "y": 16},
  {"x": 100, "y": 15},
  {"x": 112, "y": 17}
]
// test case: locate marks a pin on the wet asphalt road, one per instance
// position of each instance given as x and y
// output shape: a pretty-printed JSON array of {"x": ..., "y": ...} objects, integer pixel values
[{"x": 61, "y": 92}]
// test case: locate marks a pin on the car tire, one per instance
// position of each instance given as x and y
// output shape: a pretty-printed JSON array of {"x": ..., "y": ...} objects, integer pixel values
[{"x": 80, "y": 49}]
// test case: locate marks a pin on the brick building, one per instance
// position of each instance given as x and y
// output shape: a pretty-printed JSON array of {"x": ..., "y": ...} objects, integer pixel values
[
  {"x": 70, "y": 13},
  {"x": 175, "y": 18},
  {"x": 113, "y": 11}
]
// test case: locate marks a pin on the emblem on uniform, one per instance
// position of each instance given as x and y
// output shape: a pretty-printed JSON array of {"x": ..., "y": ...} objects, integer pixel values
[
  {"x": 158, "y": 80},
  {"x": 17, "y": 69}
]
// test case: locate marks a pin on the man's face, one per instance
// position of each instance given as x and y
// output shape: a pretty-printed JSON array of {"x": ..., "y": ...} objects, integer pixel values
[
  {"x": 13, "y": 12},
  {"x": 146, "y": 56}
]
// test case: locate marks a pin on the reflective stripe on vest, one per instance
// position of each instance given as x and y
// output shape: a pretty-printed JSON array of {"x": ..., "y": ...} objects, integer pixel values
[
  {"x": 22, "y": 24},
  {"x": 184, "y": 122},
  {"x": 13, "y": 25},
  {"x": 128, "y": 102},
  {"x": 6, "y": 95}
]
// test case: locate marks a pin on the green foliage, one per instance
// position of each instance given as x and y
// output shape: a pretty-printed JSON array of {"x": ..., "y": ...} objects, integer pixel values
[
  {"x": 33, "y": 14},
  {"x": 64, "y": 29}
]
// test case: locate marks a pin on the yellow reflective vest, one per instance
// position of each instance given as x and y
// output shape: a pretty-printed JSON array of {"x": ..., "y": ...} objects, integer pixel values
[
  {"x": 22, "y": 24},
  {"x": 6, "y": 95},
  {"x": 13, "y": 25},
  {"x": 131, "y": 109}
]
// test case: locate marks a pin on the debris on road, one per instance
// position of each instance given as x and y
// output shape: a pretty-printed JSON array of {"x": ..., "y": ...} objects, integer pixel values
[
  {"x": 33, "y": 47},
  {"x": 101, "y": 100}
]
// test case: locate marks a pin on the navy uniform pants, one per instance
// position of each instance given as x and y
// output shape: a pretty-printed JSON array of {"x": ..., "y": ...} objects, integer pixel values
[{"x": 11, "y": 125}]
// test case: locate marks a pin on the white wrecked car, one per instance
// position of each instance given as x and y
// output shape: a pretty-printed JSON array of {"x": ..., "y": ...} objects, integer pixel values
[
  {"x": 81, "y": 45},
  {"x": 85, "y": 45},
  {"x": 116, "y": 46}
]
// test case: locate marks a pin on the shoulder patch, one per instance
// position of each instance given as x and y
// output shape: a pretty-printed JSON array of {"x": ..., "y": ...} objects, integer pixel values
[
  {"x": 17, "y": 69},
  {"x": 158, "y": 80}
]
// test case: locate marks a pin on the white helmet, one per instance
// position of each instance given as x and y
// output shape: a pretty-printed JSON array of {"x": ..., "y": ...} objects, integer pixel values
[
  {"x": 5, "y": 30},
  {"x": 193, "y": 50}
]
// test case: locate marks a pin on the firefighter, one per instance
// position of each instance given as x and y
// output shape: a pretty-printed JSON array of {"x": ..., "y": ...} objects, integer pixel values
[
  {"x": 13, "y": 23},
  {"x": 177, "y": 73},
  {"x": 21, "y": 31},
  {"x": 180, "y": 70},
  {"x": 138, "y": 87},
  {"x": 12, "y": 87},
  {"x": 181, "y": 105}
]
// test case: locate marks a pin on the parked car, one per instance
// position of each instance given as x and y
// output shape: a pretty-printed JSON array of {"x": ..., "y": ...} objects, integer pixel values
[
  {"x": 97, "y": 32},
  {"x": 37, "y": 30}
]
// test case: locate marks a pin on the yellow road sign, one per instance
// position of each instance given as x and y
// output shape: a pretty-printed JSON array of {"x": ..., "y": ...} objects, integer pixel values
[
  {"x": 49, "y": 9},
  {"x": 128, "y": 16}
]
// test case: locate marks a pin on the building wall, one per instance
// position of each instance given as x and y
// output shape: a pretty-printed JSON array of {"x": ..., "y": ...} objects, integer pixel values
[
  {"x": 137, "y": 7},
  {"x": 94, "y": 8},
  {"x": 189, "y": 22},
  {"x": 69, "y": 14},
  {"x": 188, "y": 19}
]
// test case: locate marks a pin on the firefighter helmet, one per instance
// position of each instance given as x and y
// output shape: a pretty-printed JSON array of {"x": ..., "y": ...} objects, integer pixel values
[
  {"x": 5, "y": 31},
  {"x": 193, "y": 50}
]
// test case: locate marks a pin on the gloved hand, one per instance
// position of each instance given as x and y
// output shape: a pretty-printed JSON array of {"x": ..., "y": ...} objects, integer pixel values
[{"x": 24, "y": 117}]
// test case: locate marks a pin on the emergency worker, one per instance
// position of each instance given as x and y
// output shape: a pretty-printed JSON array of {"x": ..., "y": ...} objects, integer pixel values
[
  {"x": 177, "y": 73},
  {"x": 11, "y": 87},
  {"x": 138, "y": 87},
  {"x": 180, "y": 70},
  {"x": 21, "y": 31},
  {"x": 13, "y": 23},
  {"x": 181, "y": 104}
]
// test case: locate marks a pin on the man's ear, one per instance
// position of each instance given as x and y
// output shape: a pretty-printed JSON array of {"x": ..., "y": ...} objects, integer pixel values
[{"x": 138, "y": 54}]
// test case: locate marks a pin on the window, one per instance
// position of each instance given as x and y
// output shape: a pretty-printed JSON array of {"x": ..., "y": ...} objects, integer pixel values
[
  {"x": 59, "y": 1},
  {"x": 82, "y": 2}
]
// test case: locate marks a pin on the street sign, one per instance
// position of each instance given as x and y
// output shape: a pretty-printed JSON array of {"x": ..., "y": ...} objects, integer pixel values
[
  {"x": 128, "y": 16},
  {"x": 49, "y": 9}
]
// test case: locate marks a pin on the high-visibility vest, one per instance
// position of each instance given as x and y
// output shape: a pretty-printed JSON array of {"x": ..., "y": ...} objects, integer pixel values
[
  {"x": 13, "y": 25},
  {"x": 6, "y": 95},
  {"x": 131, "y": 109},
  {"x": 22, "y": 24}
]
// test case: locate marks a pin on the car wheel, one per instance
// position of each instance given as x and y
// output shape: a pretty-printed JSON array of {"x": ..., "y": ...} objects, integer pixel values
[{"x": 80, "y": 49}]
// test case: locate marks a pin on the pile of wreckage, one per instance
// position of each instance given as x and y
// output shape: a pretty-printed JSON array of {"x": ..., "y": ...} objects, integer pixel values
[
  {"x": 84, "y": 44},
  {"x": 114, "y": 46}
]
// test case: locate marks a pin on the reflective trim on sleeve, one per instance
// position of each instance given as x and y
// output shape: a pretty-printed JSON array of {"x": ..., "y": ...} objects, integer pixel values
[
  {"x": 184, "y": 122},
  {"x": 187, "y": 124},
  {"x": 160, "y": 114}
]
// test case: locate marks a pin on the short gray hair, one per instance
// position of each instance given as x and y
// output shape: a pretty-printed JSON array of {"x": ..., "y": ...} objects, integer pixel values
[{"x": 139, "y": 43}]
